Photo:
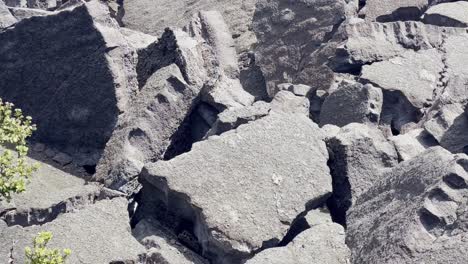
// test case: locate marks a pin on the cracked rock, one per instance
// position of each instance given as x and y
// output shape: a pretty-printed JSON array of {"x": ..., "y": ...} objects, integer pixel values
[
  {"x": 75, "y": 87},
  {"x": 98, "y": 233},
  {"x": 359, "y": 154},
  {"x": 244, "y": 188},
  {"x": 50, "y": 193},
  {"x": 352, "y": 103},
  {"x": 287, "y": 102},
  {"x": 162, "y": 246},
  {"x": 291, "y": 41},
  {"x": 323, "y": 242},
  {"x": 453, "y": 14},
  {"x": 415, "y": 214}
]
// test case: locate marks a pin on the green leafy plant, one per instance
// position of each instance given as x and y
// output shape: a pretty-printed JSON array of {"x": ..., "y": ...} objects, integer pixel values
[
  {"x": 40, "y": 254},
  {"x": 15, "y": 128}
]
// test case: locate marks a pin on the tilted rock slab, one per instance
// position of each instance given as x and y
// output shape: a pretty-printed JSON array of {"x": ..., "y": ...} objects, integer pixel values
[
  {"x": 387, "y": 11},
  {"x": 140, "y": 15},
  {"x": 244, "y": 188},
  {"x": 323, "y": 242},
  {"x": 99, "y": 233},
  {"x": 448, "y": 14},
  {"x": 415, "y": 214},
  {"x": 412, "y": 143},
  {"x": 76, "y": 81},
  {"x": 290, "y": 35}
]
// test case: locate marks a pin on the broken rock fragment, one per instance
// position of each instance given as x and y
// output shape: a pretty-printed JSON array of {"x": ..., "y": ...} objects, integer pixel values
[
  {"x": 6, "y": 18},
  {"x": 454, "y": 14},
  {"x": 412, "y": 143},
  {"x": 243, "y": 189},
  {"x": 387, "y": 11},
  {"x": 323, "y": 242},
  {"x": 414, "y": 214},
  {"x": 352, "y": 103}
]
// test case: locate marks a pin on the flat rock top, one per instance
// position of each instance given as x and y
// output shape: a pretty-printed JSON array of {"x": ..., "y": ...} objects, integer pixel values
[
  {"x": 49, "y": 186},
  {"x": 97, "y": 234},
  {"x": 457, "y": 11},
  {"x": 253, "y": 181}
]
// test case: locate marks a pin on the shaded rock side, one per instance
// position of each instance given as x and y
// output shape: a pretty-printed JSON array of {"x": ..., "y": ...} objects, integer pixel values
[
  {"x": 415, "y": 214},
  {"x": 243, "y": 189},
  {"x": 6, "y": 18},
  {"x": 76, "y": 82}
]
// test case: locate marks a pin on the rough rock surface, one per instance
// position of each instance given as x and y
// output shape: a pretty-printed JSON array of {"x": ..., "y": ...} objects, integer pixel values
[
  {"x": 386, "y": 11},
  {"x": 228, "y": 173},
  {"x": 448, "y": 14},
  {"x": 323, "y": 242},
  {"x": 413, "y": 143},
  {"x": 415, "y": 214},
  {"x": 152, "y": 17},
  {"x": 99, "y": 233},
  {"x": 359, "y": 154},
  {"x": 77, "y": 86},
  {"x": 49, "y": 193},
  {"x": 162, "y": 246},
  {"x": 21, "y": 13},
  {"x": 6, "y": 18},
  {"x": 291, "y": 40},
  {"x": 352, "y": 103}
]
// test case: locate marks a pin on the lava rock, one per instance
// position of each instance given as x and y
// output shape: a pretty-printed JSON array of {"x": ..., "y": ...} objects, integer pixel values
[
  {"x": 453, "y": 14},
  {"x": 244, "y": 188},
  {"x": 352, "y": 103},
  {"x": 414, "y": 214}
]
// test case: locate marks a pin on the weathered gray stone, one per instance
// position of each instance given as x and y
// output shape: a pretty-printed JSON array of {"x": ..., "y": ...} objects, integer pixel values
[
  {"x": 21, "y": 13},
  {"x": 62, "y": 158},
  {"x": 453, "y": 14},
  {"x": 297, "y": 89},
  {"x": 386, "y": 11},
  {"x": 413, "y": 143},
  {"x": 291, "y": 41},
  {"x": 145, "y": 132},
  {"x": 74, "y": 87},
  {"x": 240, "y": 189},
  {"x": 224, "y": 89},
  {"x": 36, "y": 4},
  {"x": 98, "y": 233},
  {"x": 232, "y": 118},
  {"x": 323, "y": 242},
  {"x": 140, "y": 14},
  {"x": 359, "y": 154},
  {"x": 352, "y": 103},
  {"x": 162, "y": 246},
  {"x": 287, "y": 102},
  {"x": 49, "y": 193},
  {"x": 414, "y": 74},
  {"x": 6, "y": 18},
  {"x": 415, "y": 214}
]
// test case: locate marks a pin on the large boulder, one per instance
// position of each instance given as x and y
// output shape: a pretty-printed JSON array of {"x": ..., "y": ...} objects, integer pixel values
[
  {"x": 359, "y": 154},
  {"x": 396, "y": 10},
  {"x": 243, "y": 189},
  {"x": 323, "y": 242},
  {"x": 99, "y": 233},
  {"x": 415, "y": 214},
  {"x": 141, "y": 14},
  {"x": 76, "y": 82},
  {"x": 292, "y": 38},
  {"x": 448, "y": 14}
]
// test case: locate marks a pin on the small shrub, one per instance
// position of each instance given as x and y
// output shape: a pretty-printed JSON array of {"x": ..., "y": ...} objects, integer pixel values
[
  {"x": 14, "y": 130},
  {"x": 40, "y": 254}
]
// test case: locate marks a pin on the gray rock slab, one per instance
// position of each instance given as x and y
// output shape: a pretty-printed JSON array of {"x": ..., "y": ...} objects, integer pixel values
[
  {"x": 454, "y": 14},
  {"x": 412, "y": 143},
  {"x": 6, "y": 18},
  {"x": 247, "y": 185}
]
